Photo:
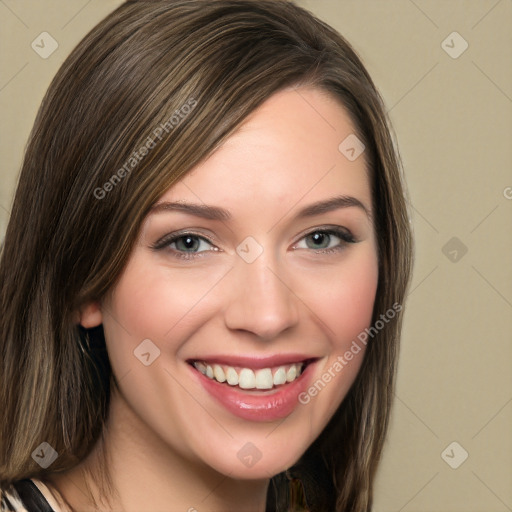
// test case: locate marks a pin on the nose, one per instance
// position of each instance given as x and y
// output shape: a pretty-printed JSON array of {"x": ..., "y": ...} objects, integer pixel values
[{"x": 261, "y": 301}]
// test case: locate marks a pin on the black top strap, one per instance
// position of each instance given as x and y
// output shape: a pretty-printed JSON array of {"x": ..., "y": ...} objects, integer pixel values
[{"x": 32, "y": 498}]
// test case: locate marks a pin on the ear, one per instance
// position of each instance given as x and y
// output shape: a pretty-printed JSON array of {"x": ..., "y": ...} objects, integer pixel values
[{"x": 89, "y": 315}]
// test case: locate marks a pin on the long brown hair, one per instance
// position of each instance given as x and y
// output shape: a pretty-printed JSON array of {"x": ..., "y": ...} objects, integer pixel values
[{"x": 73, "y": 222}]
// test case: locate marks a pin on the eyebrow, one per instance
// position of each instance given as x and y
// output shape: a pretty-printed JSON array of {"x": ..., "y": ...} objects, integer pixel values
[{"x": 217, "y": 213}]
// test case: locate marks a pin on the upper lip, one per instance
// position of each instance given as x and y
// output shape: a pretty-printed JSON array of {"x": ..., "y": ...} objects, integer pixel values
[{"x": 256, "y": 362}]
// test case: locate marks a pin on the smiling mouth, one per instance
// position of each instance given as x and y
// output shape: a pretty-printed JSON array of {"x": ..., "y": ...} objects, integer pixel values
[{"x": 252, "y": 379}]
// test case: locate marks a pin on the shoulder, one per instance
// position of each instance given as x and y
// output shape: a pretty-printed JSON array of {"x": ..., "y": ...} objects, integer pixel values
[{"x": 27, "y": 495}]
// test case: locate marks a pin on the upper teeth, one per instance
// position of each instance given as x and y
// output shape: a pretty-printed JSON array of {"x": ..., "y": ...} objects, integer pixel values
[{"x": 245, "y": 378}]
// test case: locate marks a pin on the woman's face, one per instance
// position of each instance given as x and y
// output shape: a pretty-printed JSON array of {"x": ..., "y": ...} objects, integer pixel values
[{"x": 259, "y": 265}]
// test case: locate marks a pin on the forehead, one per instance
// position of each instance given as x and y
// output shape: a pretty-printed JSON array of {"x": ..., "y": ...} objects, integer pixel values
[{"x": 286, "y": 153}]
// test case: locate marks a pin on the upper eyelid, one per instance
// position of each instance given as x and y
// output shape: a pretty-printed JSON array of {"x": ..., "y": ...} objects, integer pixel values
[{"x": 172, "y": 237}]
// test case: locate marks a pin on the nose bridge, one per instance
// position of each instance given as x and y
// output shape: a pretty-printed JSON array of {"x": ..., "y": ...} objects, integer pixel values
[{"x": 261, "y": 301}]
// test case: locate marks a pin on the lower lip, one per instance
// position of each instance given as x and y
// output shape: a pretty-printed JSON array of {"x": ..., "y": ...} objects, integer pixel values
[{"x": 275, "y": 404}]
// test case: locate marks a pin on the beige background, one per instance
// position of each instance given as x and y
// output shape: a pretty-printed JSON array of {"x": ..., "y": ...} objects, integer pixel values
[{"x": 453, "y": 120}]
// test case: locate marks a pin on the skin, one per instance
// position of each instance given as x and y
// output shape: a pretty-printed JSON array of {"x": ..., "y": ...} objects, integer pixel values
[{"x": 172, "y": 447}]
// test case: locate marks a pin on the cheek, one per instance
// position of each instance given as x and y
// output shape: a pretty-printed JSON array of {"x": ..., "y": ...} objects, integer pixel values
[
  {"x": 344, "y": 299},
  {"x": 344, "y": 304},
  {"x": 351, "y": 309},
  {"x": 154, "y": 303}
]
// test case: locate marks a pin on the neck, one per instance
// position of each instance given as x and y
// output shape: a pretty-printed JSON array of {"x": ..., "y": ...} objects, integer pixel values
[{"x": 147, "y": 474}]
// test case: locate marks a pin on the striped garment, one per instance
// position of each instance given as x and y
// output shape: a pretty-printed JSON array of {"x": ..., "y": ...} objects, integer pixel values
[{"x": 29, "y": 495}]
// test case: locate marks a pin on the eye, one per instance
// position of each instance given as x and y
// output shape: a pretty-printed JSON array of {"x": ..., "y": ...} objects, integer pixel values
[
  {"x": 192, "y": 245},
  {"x": 326, "y": 240},
  {"x": 185, "y": 245}
]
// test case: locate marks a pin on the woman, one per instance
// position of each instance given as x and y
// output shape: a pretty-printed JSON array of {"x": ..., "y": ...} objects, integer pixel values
[{"x": 203, "y": 275}]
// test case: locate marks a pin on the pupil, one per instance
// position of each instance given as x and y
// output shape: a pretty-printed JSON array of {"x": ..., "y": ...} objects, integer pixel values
[
  {"x": 189, "y": 242},
  {"x": 320, "y": 238}
]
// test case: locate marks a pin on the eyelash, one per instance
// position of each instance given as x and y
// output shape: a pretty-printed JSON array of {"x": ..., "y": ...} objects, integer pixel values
[{"x": 344, "y": 235}]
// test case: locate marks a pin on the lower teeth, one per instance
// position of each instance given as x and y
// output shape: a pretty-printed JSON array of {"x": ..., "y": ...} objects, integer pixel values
[{"x": 252, "y": 389}]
